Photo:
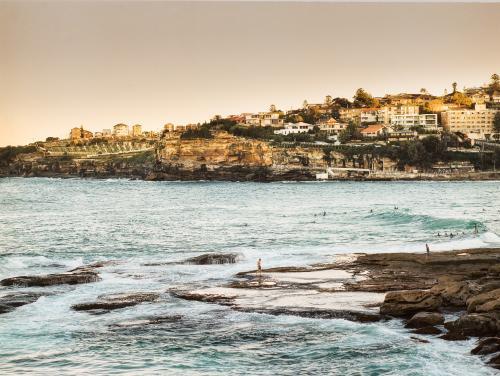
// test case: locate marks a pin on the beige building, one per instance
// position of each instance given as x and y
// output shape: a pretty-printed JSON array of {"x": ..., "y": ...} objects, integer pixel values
[
  {"x": 120, "y": 130},
  {"x": 80, "y": 133},
  {"x": 476, "y": 124},
  {"x": 331, "y": 126},
  {"x": 136, "y": 130},
  {"x": 169, "y": 127},
  {"x": 263, "y": 119}
]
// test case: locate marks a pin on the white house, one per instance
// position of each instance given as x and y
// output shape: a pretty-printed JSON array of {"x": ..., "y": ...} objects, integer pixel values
[{"x": 293, "y": 128}]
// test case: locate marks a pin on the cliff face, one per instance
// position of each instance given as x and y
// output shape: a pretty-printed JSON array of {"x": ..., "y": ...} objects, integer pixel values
[
  {"x": 227, "y": 157},
  {"x": 223, "y": 150}
]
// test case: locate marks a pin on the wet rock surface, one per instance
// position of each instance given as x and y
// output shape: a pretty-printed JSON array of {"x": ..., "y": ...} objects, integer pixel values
[
  {"x": 70, "y": 278},
  {"x": 213, "y": 259},
  {"x": 425, "y": 319},
  {"x": 430, "y": 330},
  {"x": 407, "y": 302},
  {"x": 116, "y": 301},
  {"x": 486, "y": 346},
  {"x": 10, "y": 302}
]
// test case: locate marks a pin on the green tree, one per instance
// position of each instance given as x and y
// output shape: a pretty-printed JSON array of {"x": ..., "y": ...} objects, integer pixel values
[
  {"x": 364, "y": 99},
  {"x": 494, "y": 84},
  {"x": 350, "y": 133}
]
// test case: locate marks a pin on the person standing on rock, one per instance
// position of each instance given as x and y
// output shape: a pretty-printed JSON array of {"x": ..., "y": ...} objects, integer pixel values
[
  {"x": 259, "y": 267},
  {"x": 427, "y": 249}
]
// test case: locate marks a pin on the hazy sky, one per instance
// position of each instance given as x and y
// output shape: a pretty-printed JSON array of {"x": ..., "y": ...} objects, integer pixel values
[{"x": 63, "y": 64}]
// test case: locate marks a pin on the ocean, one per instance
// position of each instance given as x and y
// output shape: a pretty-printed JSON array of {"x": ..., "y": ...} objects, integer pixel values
[{"x": 54, "y": 225}]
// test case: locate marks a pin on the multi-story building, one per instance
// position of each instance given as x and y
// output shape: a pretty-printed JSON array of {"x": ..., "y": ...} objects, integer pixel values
[
  {"x": 263, "y": 119},
  {"x": 376, "y": 115},
  {"x": 120, "y": 130},
  {"x": 495, "y": 97},
  {"x": 476, "y": 123},
  {"x": 350, "y": 114},
  {"x": 291, "y": 128},
  {"x": 136, "y": 130},
  {"x": 331, "y": 126},
  {"x": 80, "y": 133},
  {"x": 384, "y": 114},
  {"x": 169, "y": 127},
  {"x": 75, "y": 133},
  {"x": 428, "y": 121},
  {"x": 368, "y": 115}
]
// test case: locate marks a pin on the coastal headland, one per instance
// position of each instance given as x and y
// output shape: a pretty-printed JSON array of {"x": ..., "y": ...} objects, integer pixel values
[
  {"x": 452, "y": 295},
  {"x": 226, "y": 157}
]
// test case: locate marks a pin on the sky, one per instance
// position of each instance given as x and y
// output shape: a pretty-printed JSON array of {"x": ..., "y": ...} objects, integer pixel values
[{"x": 96, "y": 64}]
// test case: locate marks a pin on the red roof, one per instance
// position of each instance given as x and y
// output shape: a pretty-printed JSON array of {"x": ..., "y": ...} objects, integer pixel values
[{"x": 373, "y": 128}]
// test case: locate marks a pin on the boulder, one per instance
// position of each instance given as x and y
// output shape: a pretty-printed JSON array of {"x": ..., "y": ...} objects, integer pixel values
[
  {"x": 71, "y": 278},
  {"x": 407, "y": 302},
  {"x": 452, "y": 336},
  {"x": 455, "y": 293},
  {"x": 12, "y": 301},
  {"x": 485, "y": 302},
  {"x": 427, "y": 330},
  {"x": 474, "y": 324},
  {"x": 486, "y": 346},
  {"x": 425, "y": 319},
  {"x": 116, "y": 301},
  {"x": 213, "y": 258}
]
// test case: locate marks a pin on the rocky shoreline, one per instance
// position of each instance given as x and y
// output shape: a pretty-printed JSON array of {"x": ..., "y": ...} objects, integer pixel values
[
  {"x": 454, "y": 295},
  {"x": 242, "y": 174}
]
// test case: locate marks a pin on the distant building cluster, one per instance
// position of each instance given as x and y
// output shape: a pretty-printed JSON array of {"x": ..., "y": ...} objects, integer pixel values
[
  {"x": 469, "y": 113},
  {"x": 119, "y": 131}
]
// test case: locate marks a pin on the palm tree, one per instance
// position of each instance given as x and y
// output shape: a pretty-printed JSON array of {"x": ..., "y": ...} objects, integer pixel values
[{"x": 454, "y": 85}]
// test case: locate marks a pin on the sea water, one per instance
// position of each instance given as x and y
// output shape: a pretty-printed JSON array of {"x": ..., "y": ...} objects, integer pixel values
[{"x": 53, "y": 225}]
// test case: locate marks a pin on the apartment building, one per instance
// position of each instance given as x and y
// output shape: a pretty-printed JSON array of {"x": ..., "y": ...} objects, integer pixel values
[
  {"x": 428, "y": 121},
  {"x": 263, "y": 119},
  {"x": 136, "y": 130},
  {"x": 120, "y": 130},
  {"x": 331, "y": 126},
  {"x": 476, "y": 123}
]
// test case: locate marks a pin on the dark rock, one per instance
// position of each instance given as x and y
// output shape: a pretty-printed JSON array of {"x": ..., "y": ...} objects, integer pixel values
[
  {"x": 71, "y": 278},
  {"x": 419, "y": 339},
  {"x": 116, "y": 301},
  {"x": 213, "y": 258},
  {"x": 12, "y": 301},
  {"x": 427, "y": 330},
  {"x": 495, "y": 361},
  {"x": 474, "y": 325},
  {"x": 487, "y": 346},
  {"x": 406, "y": 302},
  {"x": 315, "y": 313},
  {"x": 454, "y": 337},
  {"x": 425, "y": 319},
  {"x": 140, "y": 322}
]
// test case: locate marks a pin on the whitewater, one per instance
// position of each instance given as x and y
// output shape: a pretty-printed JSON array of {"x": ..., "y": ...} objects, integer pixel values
[{"x": 54, "y": 225}]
